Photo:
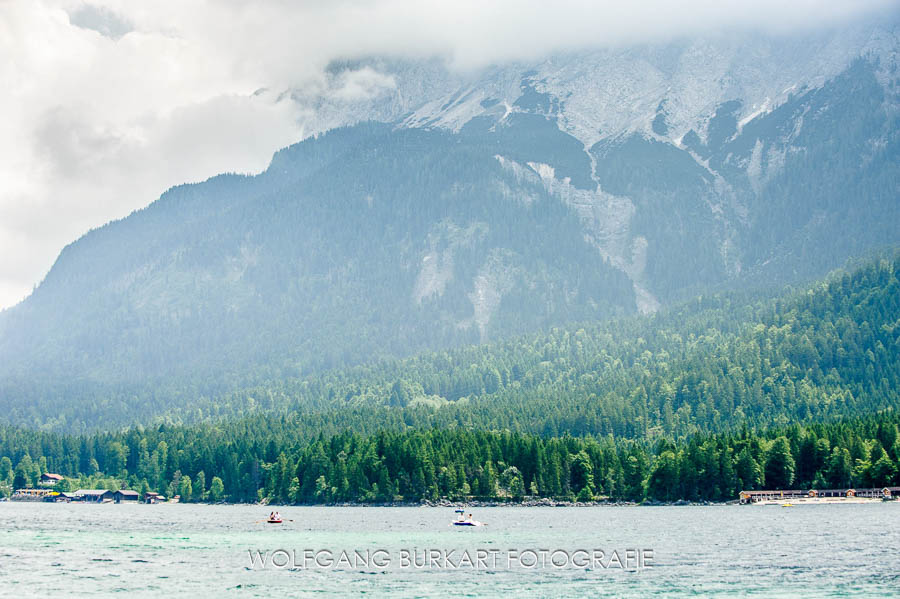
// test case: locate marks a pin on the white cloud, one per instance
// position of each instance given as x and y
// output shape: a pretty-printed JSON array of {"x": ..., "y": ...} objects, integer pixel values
[{"x": 109, "y": 102}]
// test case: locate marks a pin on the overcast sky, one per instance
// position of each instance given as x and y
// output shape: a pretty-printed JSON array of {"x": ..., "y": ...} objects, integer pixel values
[{"x": 108, "y": 103}]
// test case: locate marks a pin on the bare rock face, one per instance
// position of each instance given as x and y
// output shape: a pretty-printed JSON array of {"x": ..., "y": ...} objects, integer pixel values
[
  {"x": 495, "y": 277},
  {"x": 437, "y": 262}
]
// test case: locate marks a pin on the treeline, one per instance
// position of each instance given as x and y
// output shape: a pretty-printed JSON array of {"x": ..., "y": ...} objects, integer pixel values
[{"x": 460, "y": 464}]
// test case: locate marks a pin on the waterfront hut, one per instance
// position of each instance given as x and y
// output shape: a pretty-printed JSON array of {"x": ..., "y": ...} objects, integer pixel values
[
  {"x": 126, "y": 495},
  {"x": 890, "y": 493},
  {"x": 55, "y": 497},
  {"x": 151, "y": 497},
  {"x": 94, "y": 495}
]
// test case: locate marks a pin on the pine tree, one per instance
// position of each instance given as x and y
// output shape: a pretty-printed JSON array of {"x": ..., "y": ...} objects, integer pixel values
[
  {"x": 749, "y": 471},
  {"x": 582, "y": 473},
  {"x": 779, "y": 465},
  {"x": 883, "y": 471},
  {"x": 839, "y": 470}
]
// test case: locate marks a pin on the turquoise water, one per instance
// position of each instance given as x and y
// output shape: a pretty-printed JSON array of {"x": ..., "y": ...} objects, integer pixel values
[{"x": 190, "y": 550}]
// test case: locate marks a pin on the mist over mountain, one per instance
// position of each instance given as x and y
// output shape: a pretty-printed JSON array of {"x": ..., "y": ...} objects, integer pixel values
[{"x": 451, "y": 208}]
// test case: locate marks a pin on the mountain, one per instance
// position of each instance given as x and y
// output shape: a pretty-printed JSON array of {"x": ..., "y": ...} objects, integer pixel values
[
  {"x": 676, "y": 405},
  {"x": 714, "y": 363},
  {"x": 582, "y": 187}
]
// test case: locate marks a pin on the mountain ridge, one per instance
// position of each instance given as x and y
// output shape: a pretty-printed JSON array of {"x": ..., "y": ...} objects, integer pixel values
[{"x": 387, "y": 239}]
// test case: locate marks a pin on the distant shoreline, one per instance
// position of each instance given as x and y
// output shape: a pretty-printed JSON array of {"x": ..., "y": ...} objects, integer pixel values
[
  {"x": 436, "y": 504},
  {"x": 531, "y": 503}
]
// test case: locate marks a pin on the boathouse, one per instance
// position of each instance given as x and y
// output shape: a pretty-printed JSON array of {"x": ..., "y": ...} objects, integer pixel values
[
  {"x": 832, "y": 492},
  {"x": 151, "y": 497},
  {"x": 869, "y": 493},
  {"x": 93, "y": 495},
  {"x": 55, "y": 497},
  {"x": 126, "y": 495},
  {"x": 756, "y": 496}
]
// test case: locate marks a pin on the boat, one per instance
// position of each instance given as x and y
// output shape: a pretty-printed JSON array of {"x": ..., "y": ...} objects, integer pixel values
[
  {"x": 276, "y": 521},
  {"x": 787, "y": 505},
  {"x": 461, "y": 521}
]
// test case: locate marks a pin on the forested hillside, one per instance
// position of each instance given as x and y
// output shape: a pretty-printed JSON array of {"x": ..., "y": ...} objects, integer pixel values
[
  {"x": 384, "y": 240},
  {"x": 367, "y": 242},
  {"x": 662, "y": 405},
  {"x": 696, "y": 403},
  {"x": 715, "y": 362}
]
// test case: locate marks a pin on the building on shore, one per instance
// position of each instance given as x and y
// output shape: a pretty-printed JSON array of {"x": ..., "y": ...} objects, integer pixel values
[
  {"x": 94, "y": 495},
  {"x": 774, "y": 495},
  {"x": 876, "y": 493},
  {"x": 151, "y": 497},
  {"x": 55, "y": 497},
  {"x": 126, "y": 496},
  {"x": 890, "y": 493},
  {"x": 31, "y": 494},
  {"x": 49, "y": 479}
]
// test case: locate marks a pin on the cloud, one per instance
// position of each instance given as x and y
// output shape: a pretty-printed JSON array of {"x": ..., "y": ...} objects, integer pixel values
[
  {"x": 110, "y": 102},
  {"x": 100, "y": 19}
]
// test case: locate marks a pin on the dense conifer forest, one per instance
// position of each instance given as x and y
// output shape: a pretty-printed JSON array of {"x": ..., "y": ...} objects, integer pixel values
[
  {"x": 720, "y": 394},
  {"x": 459, "y": 464}
]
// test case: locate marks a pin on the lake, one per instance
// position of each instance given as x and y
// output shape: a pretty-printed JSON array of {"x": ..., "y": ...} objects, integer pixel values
[{"x": 144, "y": 550}]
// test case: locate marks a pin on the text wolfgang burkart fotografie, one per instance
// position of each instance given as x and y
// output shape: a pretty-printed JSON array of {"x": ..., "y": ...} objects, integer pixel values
[{"x": 630, "y": 559}]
